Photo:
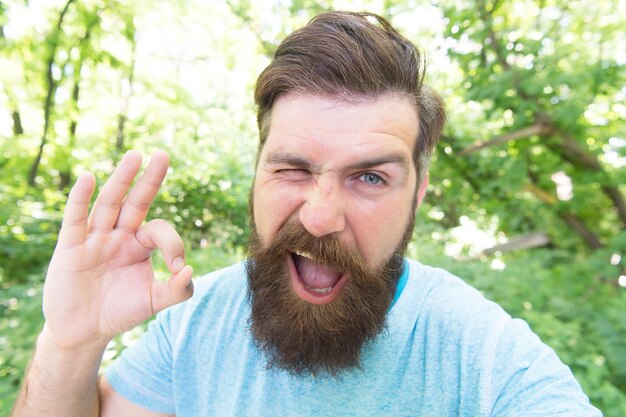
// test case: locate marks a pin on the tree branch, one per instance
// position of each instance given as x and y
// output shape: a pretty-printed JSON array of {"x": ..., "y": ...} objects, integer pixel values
[
  {"x": 575, "y": 222},
  {"x": 570, "y": 150},
  {"x": 523, "y": 133},
  {"x": 541, "y": 194},
  {"x": 528, "y": 241}
]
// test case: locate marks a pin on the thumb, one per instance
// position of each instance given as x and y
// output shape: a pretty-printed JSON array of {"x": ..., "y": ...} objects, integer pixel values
[{"x": 173, "y": 291}]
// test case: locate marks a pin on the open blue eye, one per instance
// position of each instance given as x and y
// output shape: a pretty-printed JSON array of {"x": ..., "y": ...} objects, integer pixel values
[{"x": 371, "y": 179}]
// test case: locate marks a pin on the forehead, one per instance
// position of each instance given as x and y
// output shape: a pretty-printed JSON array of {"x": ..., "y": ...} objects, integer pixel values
[{"x": 306, "y": 123}]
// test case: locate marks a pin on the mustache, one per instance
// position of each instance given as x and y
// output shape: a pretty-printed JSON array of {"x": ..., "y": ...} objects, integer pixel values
[{"x": 329, "y": 250}]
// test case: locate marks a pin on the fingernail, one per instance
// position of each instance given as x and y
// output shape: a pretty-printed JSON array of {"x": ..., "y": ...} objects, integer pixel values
[{"x": 178, "y": 263}]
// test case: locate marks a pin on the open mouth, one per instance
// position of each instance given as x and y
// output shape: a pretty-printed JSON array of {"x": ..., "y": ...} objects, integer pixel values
[{"x": 314, "y": 281}]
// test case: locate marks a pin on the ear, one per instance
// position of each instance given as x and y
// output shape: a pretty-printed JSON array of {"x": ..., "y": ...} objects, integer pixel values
[{"x": 421, "y": 191}]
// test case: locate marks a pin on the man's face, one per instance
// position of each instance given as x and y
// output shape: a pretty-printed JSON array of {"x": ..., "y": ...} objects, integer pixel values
[{"x": 332, "y": 203}]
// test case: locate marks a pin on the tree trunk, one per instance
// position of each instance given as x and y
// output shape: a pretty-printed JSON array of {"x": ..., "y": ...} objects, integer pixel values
[
  {"x": 66, "y": 174},
  {"x": 125, "y": 99},
  {"x": 51, "y": 89},
  {"x": 18, "y": 129}
]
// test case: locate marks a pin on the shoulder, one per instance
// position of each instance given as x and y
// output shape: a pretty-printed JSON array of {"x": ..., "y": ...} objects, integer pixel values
[
  {"x": 230, "y": 278},
  {"x": 447, "y": 297},
  {"x": 454, "y": 318},
  {"x": 514, "y": 371}
]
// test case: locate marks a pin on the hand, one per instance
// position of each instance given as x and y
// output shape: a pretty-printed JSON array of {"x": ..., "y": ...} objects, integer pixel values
[{"x": 100, "y": 280}]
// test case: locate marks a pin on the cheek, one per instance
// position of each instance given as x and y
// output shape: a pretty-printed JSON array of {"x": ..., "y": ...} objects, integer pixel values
[
  {"x": 378, "y": 230},
  {"x": 272, "y": 208}
]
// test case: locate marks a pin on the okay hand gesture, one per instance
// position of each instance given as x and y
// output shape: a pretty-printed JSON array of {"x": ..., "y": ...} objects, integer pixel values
[{"x": 100, "y": 281}]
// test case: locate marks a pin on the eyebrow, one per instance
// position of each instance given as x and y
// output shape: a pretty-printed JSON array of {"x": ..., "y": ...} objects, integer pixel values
[
  {"x": 382, "y": 160},
  {"x": 279, "y": 158},
  {"x": 299, "y": 162}
]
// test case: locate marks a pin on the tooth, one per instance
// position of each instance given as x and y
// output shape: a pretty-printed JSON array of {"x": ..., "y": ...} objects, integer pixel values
[
  {"x": 320, "y": 290},
  {"x": 305, "y": 254}
]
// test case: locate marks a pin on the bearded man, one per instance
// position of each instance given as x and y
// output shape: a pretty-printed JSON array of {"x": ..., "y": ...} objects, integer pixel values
[{"x": 326, "y": 316}]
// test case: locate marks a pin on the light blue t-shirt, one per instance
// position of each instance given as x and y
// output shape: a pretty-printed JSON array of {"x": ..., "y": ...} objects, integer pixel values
[{"x": 447, "y": 351}]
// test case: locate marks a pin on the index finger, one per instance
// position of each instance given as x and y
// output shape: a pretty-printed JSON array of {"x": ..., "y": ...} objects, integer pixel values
[
  {"x": 75, "y": 217},
  {"x": 106, "y": 208}
]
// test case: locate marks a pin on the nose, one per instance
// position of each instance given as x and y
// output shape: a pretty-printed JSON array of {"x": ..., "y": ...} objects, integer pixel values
[{"x": 322, "y": 212}]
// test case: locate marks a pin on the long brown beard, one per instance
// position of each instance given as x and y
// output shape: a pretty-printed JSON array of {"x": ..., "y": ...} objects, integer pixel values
[{"x": 301, "y": 337}]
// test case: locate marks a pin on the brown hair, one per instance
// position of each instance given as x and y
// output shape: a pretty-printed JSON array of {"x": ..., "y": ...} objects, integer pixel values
[{"x": 344, "y": 55}]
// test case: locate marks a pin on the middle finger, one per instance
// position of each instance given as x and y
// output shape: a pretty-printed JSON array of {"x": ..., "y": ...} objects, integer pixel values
[{"x": 106, "y": 208}]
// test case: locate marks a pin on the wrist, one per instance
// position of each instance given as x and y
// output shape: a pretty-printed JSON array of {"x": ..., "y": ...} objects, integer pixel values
[
  {"x": 49, "y": 340},
  {"x": 60, "y": 380},
  {"x": 67, "y": 362}
]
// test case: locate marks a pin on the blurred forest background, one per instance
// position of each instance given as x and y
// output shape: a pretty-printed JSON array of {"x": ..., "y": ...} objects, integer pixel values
[{"x": 527, "y": 197}]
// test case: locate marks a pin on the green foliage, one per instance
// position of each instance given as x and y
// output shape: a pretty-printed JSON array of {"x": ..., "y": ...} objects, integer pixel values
[
  {"x": 211, "y": 209},
  {"x": 29, "y": 223},
  {"x": 545, "y": 66},
  {"x": 20, "y": 322}
]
